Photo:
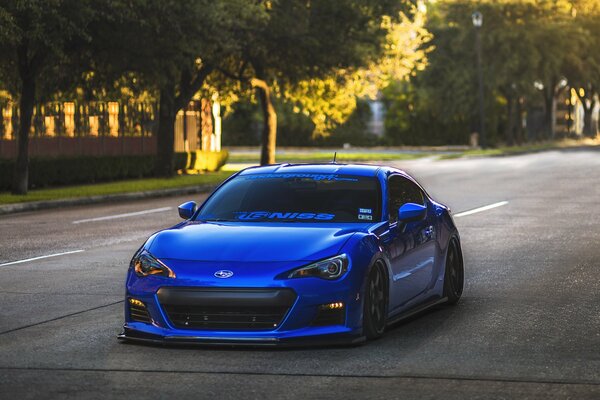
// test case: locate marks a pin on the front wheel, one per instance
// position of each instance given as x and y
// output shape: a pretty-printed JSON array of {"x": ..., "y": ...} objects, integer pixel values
[
  {"x": 455, "y": 274},
  {"x": 376, "y": 302}
]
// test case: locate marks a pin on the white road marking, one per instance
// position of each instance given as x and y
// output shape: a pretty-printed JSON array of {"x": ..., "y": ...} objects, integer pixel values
[
  {"x": 41, "y": 257},
  {"x": 480, "y": 209},
  {"x": 133, "y": 214}
]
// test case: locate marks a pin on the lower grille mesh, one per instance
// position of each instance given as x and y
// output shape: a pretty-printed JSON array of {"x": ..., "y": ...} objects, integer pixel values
[{"x": 225, "y": 318}]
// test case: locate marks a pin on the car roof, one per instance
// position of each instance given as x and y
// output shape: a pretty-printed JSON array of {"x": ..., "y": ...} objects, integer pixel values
[{"x": 329, "y": 168}]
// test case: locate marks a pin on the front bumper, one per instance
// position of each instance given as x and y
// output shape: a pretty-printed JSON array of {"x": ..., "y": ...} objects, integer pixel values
[
  {"x": 141, "y": 336},
  {"x": 178, "y": 314}
]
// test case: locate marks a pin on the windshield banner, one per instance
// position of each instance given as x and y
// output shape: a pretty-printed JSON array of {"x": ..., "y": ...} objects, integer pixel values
[{"x": 256, "y": 215}]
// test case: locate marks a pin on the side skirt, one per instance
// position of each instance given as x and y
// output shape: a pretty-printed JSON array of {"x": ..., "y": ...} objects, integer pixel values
[{"x": 416, "y": 310}]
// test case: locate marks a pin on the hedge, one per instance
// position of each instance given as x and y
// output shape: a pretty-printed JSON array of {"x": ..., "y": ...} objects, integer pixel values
[
  {"x": 76, "y": 170},
  {"x": 207, "y": 160}
]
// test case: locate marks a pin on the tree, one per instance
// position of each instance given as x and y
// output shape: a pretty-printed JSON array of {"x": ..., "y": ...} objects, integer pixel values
[
  {"x": 307, "y": 40},
  {"x": 39, "y": 39},
  {"x": 525, "y": 44},
  {"x": 554, "y": 58},
  {"x": 583, "y": 72},
  {"x": 330, "y": 100},
  {"x": 176, "y": 45},
  {"x": 448, "y": 84}
]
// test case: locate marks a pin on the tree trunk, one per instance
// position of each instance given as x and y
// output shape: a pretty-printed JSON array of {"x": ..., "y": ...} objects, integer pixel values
[
  {"x": 587, "y": 121},
  {"x": 26, "y": 102},
  {"x": 549, "y": 113},
  {"x": 593, "y": 126},
  {"x": 510, "y": 120},
  {"x": 167, "y": 113},
  {"x": 170, "y": 105},
  {"x": 269, "y": 132},
  {"x": 519, "y": 131}
]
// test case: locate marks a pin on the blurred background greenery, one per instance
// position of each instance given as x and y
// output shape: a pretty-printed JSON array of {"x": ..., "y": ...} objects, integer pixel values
[{"x": 301, "y": 73}]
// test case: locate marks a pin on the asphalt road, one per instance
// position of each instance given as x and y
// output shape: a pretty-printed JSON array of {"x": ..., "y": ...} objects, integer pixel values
[{"x": 528, "y": 325}]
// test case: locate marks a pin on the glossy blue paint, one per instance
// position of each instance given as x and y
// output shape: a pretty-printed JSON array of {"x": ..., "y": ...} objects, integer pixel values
[
  {"x": 240, "y": 242},
  {"x": 260, "y": 255},
  {"x": 187, "y": 210},
  {"x": 411, "y": 211}
]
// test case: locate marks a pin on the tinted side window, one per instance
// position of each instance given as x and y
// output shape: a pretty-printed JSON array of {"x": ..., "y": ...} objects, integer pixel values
[{"x": 401, "y": 191}]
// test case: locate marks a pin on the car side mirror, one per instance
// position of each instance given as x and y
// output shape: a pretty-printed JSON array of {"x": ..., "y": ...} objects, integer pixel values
[
  {"x": 411, "y": 212},
  {"x": 186, "y": 210}
]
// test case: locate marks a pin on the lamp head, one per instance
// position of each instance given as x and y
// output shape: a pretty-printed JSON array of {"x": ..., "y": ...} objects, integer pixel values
[{"x": 477, "y": 19}]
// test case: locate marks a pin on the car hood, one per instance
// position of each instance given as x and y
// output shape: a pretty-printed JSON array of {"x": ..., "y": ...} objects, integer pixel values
[{"x": 251, "y": 242}]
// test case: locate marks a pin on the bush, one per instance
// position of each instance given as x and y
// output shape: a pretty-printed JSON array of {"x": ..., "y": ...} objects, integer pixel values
[
  {"x": 76, "y": 170},
  {"x": 208, "y": 160}
]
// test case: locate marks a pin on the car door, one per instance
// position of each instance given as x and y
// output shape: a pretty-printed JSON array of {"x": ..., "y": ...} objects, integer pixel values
[{"x": 411, "y": 245}]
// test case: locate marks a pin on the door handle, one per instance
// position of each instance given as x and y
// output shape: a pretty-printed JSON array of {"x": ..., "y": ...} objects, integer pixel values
[{"x": 429, "y": 231}]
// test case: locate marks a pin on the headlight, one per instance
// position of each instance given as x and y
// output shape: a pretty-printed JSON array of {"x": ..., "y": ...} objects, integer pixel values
[
  {"x": 332, "y": 268},
  {"x": 145, "y": 264}
]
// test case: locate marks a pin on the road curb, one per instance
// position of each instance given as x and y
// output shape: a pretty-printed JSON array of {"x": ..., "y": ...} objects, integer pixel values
[{"x": 110, "y": 198}]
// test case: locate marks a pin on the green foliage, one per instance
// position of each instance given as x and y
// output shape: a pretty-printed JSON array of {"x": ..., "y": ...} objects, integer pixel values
[
  {"x": 352, "y": 131},
  {"x": 295, "y": 128},
  {"x": 330, "y": 99},
  {"x": 530, "y": 49},
  {"x": 45, "y": 39},
  {"x": 240, "y": 125},
  {"x": 59, "y": 171}
]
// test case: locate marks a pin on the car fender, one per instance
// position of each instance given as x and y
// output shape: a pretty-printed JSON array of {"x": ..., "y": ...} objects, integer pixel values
[{"x": 364, "y": 250}]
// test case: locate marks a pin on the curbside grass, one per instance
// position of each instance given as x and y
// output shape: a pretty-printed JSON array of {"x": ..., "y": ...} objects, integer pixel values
[
  {"x": 523, "y": 149},
  {"x": 321, "y": 156},
  {"x": 110, "y": 188}
]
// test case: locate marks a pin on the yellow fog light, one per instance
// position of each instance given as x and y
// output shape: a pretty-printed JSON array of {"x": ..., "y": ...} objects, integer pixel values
[
  {"x": 332, "y": 306},
  {"x": 136, "y": 302}
]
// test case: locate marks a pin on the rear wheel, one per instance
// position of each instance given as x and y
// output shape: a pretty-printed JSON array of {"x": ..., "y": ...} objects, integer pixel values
[
  {"x": 455, "y": 274},
  {"x": 376, "y": 302}
]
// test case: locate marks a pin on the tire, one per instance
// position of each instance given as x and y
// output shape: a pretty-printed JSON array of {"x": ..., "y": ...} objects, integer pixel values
[
  {"x": 454, "y": 274},
  {"x": 376, "y": 302}
]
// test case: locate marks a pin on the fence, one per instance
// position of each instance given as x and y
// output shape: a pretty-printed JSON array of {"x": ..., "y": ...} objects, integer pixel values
[{"x": 105, "y": 128}]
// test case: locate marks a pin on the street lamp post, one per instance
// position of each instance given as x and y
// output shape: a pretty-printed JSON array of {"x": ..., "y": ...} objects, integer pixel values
[{"x": 477, "y": 22}]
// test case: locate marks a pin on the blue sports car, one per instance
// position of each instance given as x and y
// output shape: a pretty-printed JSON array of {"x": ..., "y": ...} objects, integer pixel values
[{"x": 288, "y": 254}]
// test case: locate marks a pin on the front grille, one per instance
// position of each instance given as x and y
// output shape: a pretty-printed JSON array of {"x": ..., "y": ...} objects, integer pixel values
[
  {"x": 326, "y": 317},
  {"x": 226, "y": 309},
  {"x": 225, "y": 318},
  {"x": 139, "y": 313}
]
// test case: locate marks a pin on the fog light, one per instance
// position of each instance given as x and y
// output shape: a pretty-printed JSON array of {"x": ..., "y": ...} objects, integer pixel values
[
  {"x": 136, "y": 302},
  {"x": 332, "y": 306},
  {"x": 330, "y": 314},
  {"x": 138, "y": 311}
]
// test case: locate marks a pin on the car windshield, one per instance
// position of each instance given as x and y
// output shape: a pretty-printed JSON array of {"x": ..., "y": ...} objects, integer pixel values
[{"x": 295, "y": 197}]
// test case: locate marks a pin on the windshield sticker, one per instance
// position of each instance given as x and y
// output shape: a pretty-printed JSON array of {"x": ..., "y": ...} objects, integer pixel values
[
  {"x": 258, "y": 215},
  {"x": 365, "y": 217},
  {"x": 365, "y": 211},
  {"x": 315, "y": 177}
]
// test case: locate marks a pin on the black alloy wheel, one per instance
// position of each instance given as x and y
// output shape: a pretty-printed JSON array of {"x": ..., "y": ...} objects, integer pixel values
[
  {"x": 454, "y": 275},
  {"x": 376, "y": 302}
]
